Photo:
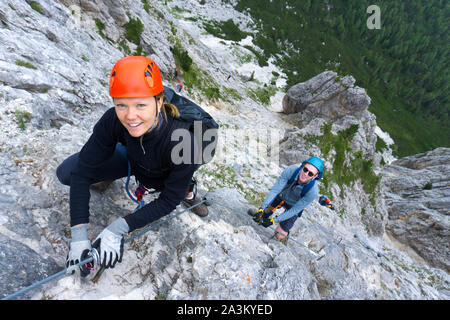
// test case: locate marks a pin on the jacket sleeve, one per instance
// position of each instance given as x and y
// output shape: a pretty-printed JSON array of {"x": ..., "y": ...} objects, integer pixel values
[
  {"x": 174, "y": 191},
  {"x": 299, "y": 205},
  {"x": 99, "y": 147},
  {"x": 279, "y": 185}
]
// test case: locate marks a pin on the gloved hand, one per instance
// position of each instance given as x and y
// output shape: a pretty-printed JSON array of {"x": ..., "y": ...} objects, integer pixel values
[
  {"x": 258, "y": 215},
  {"x": 79, "y": 249},
  {"x": 267, "y": 222},
  {"x": 109, "y": 243}
]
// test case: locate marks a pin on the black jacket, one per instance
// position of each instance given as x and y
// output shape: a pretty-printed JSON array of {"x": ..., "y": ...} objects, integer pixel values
[{"x": 150, "y": 161}]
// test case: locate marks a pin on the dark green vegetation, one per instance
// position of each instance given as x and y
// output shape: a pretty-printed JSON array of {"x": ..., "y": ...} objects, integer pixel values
[
  {"x": 346, "y": 173},
  {"x": 100, "y": 27},
  {"x": 23, "y": 117},
  {"x": 132, "y": 33},
  {"x": 133, "y": 30},
  {"x": 146, "y": 5},
  {"x": 25, "y": 64},
  {"x": 36, "y": 6},
  {"x": 193, "y": 76},
  {"x": 225, "y": 30},
  {"x": 404, "y": 65},
  {"x": 182, "y": 57}
]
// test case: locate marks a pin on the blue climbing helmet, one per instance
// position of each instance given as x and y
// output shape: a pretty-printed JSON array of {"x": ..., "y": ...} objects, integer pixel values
[{"x": 316, "y": 162}]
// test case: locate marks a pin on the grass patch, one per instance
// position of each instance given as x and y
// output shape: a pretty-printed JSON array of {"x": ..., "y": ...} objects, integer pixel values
[
  {"x": 139, "y": 52},
  {"x": 342, "y": 172},
  {"x": 197, "y": 78},
  {"x": 363, "y": 169},
  {"x": 179, "y": 11},
  {"x": 380, "y": 145},
  {"x": 225, "y": 177},
  {"x": 182, "y": 56},
  {"x": 146, "y": 5},
  {"x": 25, "y": 64},
  {"x": 161, "y": 296},
  {"x": 227, "y": 30},
  {"x": 173, "y": 29},
  {"x": 242, "y": 57},
  {"x": 262, "y": 94},
  {"x": 262, "y": 60},
  {"x": 428, "y": 186},
  {"x": 125, "y": 48},
  {"x": 36, "y": 6},
  {"x": 23, "y": 117},
  {"x": 100, "y": 27},
  {"x": 133, "y": 30},
  {"x": 193, "y": 76},
  {"x": 212, "y": 93},
  {"x": 232, "y": 93}
]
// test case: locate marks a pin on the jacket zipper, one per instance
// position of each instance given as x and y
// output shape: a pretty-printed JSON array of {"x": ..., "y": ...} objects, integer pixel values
[{"x": 140, "y": 141}]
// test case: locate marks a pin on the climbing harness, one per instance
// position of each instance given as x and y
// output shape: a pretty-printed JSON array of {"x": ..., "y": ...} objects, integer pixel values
[{"x": 139, "y": 192}]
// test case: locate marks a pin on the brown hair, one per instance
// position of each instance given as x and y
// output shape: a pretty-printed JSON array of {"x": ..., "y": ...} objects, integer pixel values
[{"x": 168, "y": 108}]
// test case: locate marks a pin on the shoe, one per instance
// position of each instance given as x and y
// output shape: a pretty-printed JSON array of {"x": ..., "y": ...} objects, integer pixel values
[
  {"x": 280, "y": 234},
  {"x": 200, "y": 210},
  {"x": 252, "y": 212}
]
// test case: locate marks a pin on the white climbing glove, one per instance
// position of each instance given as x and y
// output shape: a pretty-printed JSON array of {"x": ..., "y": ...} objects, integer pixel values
[
  {"x": 109, "y": 243},
  {"x": 79, "y": 248}
]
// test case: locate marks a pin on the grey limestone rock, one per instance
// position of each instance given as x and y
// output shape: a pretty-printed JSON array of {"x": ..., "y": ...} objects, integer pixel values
[
  {"x": 418, "y": 202},
  {"x": 326, "y": 95},
  {"x": 54, "y": 71}
]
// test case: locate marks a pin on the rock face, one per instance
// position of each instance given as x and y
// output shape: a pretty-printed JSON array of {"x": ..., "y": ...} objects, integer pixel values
[
  {"x": 328, "y": 100},
  {"x": 20, "y": 264},
  {"x": 54, "y": 69},
  {"x": 326, "y": 94},
  {"x": 418, "y": 202}
]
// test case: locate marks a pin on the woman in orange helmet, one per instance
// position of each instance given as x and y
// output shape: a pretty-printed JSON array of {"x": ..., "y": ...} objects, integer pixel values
[{"x": 133, "y": 134}]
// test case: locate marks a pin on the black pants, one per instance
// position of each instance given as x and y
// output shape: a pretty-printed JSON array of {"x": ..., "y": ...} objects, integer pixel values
[
  {"x": 286, "y": 225},
  {"x": 114, "y": 168}
]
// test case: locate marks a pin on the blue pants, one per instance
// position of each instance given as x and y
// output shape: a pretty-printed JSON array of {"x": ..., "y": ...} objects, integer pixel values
[
  {"x": 286, "y": 225},
  {"x": 114, "y": 168}
]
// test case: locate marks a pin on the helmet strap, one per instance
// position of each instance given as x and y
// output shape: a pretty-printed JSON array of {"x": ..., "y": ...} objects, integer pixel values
[{"x": 157, "y": 116}]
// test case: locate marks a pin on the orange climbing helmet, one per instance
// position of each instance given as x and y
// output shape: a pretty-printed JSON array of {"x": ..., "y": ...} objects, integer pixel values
[{"x": 135, "y": 77}]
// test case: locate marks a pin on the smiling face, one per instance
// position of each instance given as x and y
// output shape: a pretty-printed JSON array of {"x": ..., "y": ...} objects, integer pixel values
[
  {"x": 137, "y": 115},
  {"x": 305, "y": 174}
]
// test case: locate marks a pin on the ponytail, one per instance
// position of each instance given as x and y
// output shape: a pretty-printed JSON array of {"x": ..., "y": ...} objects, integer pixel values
[{"x": 168, "y": 108}]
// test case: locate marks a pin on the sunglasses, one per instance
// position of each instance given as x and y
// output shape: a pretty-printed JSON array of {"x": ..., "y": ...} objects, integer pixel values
[{"x": 310, "y": 173}]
